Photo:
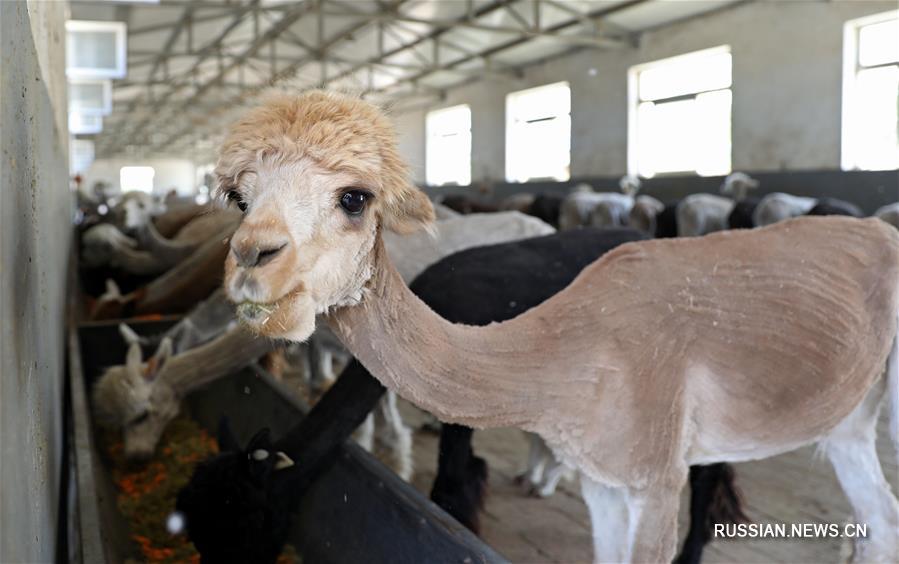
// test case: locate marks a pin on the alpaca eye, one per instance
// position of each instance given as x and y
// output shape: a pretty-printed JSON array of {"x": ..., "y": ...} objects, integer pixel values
[
  {"x": 234, "y": 196},
  {"x": 142, "y": 418},
  {"x": 353, "y": 202}
]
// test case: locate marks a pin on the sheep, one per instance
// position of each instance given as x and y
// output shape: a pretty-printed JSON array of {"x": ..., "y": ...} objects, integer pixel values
[{"x": 889, "y": 213}]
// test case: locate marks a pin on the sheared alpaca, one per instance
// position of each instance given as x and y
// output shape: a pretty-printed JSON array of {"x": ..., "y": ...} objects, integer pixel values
[
  {"x": 761, "y": 340},
  {"x": 779, "y": 206},
  {"x": 585, "y": 207},
  {"x": 889, "y": 213},
  {"x": 833, "y": 206},
  {"x": 499, "y": 282}
]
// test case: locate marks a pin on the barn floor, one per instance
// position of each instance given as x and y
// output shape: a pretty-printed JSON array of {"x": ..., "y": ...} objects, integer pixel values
[{"x": 796, "y": 487}]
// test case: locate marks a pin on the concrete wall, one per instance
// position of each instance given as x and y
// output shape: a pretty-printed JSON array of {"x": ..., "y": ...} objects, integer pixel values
[
  {"x": 35, "y": 226},
  {"x": 787, "y": 81},
  {"x": 180, "y": 174}
]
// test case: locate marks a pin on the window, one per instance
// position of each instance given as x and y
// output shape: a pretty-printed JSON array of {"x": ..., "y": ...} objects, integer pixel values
[
  {"x": 81, "y": 155},
  {"x": 448, "y": 146},
  {"x": 680, "y": 114},
  {"x": 95, "y": 49},
  {"x": 871, "y": 93},
  {"x": 538, "y": 133},
  {"x": 138, "y": 178}
]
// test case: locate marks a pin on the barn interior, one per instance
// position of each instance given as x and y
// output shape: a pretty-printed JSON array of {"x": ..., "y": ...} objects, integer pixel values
[{"x": 544, "y": 133}]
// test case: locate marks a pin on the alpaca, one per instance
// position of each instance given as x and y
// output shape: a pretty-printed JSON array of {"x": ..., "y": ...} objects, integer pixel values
[
  {"x": 498, "y": 282},
  {"x": 135, "y": 209},
  {"x": 171, "y": 251},
  {"x": 463, "y": 288},
  {"x": 143, "y": 397},
  {"x": 520, "y": 202},
  {"x": 644, "y": 214},
  {"x": 833, "y": 206},
  {"x": 238, "y": 495},
  {"x": 716, "y": 386},
  {"x": 779, "y": 206},
  {"x": 736, "y": 186},
  {"x": 889, "y": 213},
  {"x": 700, "y": 214},
  {"x": 546, "y": 207},
  {"x": 182, "y": 286},
  {"x": 600, "y": 209}
]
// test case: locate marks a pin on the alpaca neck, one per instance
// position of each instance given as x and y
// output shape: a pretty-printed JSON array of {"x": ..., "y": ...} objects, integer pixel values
[
  {"x": 224, "y": 355},
  {"x": 490, "y": 376}
]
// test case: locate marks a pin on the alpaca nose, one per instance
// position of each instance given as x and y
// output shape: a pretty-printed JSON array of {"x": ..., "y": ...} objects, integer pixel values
[{"x": 253, "y": 255}]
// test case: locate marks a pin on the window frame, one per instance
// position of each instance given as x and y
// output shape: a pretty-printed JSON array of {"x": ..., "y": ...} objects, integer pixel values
[
  {"x": 511, "y": 123},
  {"x": 428, "y": 145},
  {"x": 634, "y": 101},
  {"x": 851, "y": 68},
  {"x": 119, "y": 29}
]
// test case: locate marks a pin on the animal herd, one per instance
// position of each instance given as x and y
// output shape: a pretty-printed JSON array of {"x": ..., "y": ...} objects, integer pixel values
[{"x": 505, "y": 268}]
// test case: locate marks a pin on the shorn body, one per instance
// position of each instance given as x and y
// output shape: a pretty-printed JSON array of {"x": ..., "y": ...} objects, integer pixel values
[{"x": 733, "y": 346}]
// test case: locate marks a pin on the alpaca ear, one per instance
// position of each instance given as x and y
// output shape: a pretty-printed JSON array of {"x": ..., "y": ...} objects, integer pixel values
[
  {"x": 159, "y": 358},
  {"x": 134, "y": 358},
  {"x": 408, "y": 211},
  {"x": 128, "y": 334}
]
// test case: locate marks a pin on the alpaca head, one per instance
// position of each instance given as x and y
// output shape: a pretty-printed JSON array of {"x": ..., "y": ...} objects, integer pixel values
[
  {"x": 134, "y": 398},
  {"x": 136, "y": 209},
  {"x": 237, "y": 505},
  {"x": 317, "y": 176},
  {"x": 737, "y": 184}
]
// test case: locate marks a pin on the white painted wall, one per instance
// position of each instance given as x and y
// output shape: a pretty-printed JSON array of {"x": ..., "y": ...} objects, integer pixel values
[
  {"x": 787, "y": 76},
  {"x": 180, "y": 174}
]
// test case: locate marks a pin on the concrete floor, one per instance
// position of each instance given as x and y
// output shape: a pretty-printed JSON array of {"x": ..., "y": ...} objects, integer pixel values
[{"x": 797, "y": 487}]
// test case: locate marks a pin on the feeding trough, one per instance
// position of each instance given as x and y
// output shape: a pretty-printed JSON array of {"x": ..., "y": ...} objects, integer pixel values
[{"x": 355, "y": 509}]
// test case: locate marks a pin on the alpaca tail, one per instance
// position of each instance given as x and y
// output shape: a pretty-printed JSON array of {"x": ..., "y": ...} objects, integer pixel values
[{"x": 726, "y": 504}]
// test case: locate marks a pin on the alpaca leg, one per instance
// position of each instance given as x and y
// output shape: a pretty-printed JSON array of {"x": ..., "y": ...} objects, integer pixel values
[
  {"x": 394, "y": 436},
  {"x": 609, "y": 518},
  {"x": 652, "y": 524},
  {"x": 533, "y": 473},
  {"x": 554, "y": 472},
  {"x": 365, "y": 434},
  {"x": 851, "y": 449}
]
